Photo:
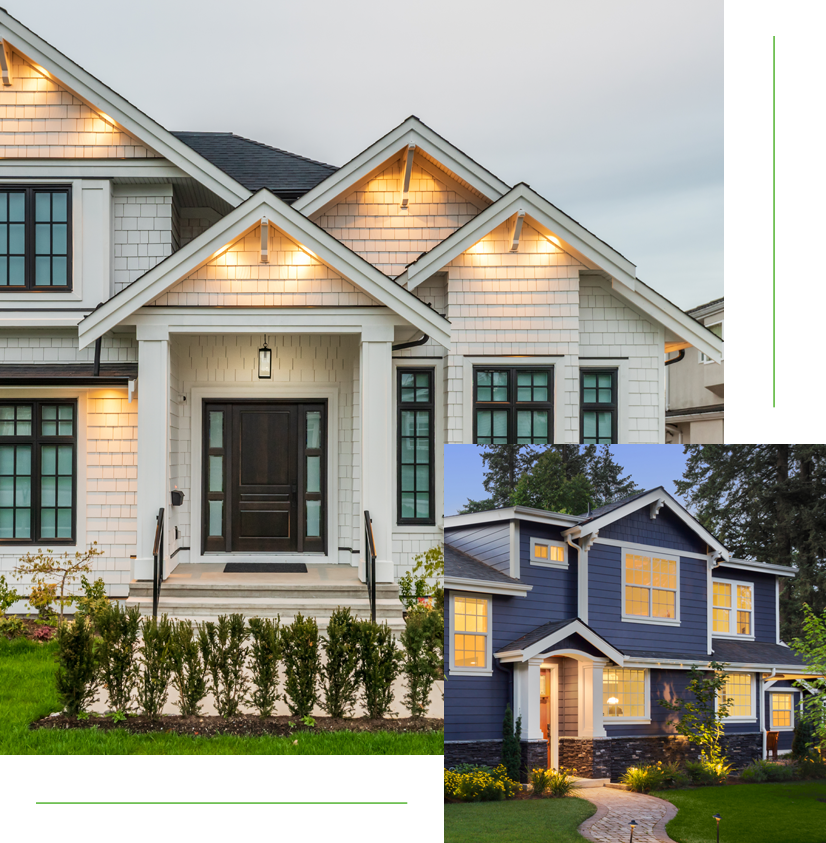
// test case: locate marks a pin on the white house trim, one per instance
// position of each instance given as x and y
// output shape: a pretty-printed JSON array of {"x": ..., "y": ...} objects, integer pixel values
[
  {"x": 515, "y": 550},
  {"x": 547, "y": 563},
  {"x": 788, "y": 692},
  {"x": 649, "y": 548},
  {"x": 470, "y": 671},
  {"x": 392, "y": 145},
  {"x": 487, "y": 587},
  {"x": 763, "y": 567},
  {"x": 235, "y": 225},
  {"x": 733, "y": 636},
  {"x": 523, "y": 513},
  {"x": 575, "y": 626},
  {"x": 101, "y": 97}
]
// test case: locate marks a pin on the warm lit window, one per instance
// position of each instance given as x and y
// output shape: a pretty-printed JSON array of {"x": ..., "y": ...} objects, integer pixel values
[
  {"x": 548, "y": 553},
  {"x": 470, "y": 632},
  {"x": 512, "y": 406},
  {"x": 623, "y": 693},
  {"x": 732, "y": 608},
  {"x": 782, "y": 711},
  {"x": 35, "y": 238},
  {"x": 737, "y": 691},
  {"x": 598, "y": 411},
  {"x": 650, "y": 586},
  {"x": 415, "y": 493}
]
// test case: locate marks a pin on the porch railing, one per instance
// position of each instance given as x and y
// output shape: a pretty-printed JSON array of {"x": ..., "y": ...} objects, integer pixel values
[
  {"x": 370, "y": 563},
  {"x": 157, "y": 558}
]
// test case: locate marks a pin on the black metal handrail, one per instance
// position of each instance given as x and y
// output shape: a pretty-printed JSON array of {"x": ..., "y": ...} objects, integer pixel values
[
  {"x": 370, "y": 563},
  {"x": 157, "y": 555}
]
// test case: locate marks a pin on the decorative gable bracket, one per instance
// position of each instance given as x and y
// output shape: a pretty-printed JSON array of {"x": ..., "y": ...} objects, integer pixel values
[
  {"x": 517, "y": 230},
  {"x": 408, "y": 170},
  {"x": 5, "y": 63},
  {"x": 715, "y": 558},
  {"x": 587, "y": 542},
  {"x": 655, "y": 508},
  {"x": 265, "y": 239}
]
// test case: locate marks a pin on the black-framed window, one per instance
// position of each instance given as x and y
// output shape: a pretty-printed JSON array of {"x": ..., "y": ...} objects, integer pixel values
[
  {"x": 513, "y": 405},
  {"x": 415, "y": 486},
  {"x": 35, "y": 238},
  {"x": 598, "y": 406},
  {"x": 38, "y": 471}
]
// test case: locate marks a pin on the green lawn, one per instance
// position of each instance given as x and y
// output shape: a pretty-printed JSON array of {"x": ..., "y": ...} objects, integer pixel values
[
  {"x": 793, "y": 812},
  {"x": 520, "y": 821},
  {"x": 27, "y": 693}
]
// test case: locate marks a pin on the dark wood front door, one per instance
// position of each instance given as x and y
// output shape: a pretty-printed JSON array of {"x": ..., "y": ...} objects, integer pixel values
[{"x": 264, "y": 477}]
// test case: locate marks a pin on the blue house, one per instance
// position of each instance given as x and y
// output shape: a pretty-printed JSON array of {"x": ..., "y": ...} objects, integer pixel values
[{"x": 583, "y": 623}]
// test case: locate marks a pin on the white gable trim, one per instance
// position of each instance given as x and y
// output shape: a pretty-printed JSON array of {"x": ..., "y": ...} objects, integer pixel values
[
  {"x": 523, "y": 513},
  {"x": 577, "y": 627},
  {"x": 412, "y": 131},
  {"x": 646, "y": 501},
  {"x": 100, "y": 97},
  {"x": 237, "y": 223},
  {"x": 486, "y": 586},
  {"x": 578, "y": 239}
]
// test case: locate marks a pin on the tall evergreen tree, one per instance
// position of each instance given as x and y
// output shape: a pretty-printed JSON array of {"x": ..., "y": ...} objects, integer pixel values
[
  {"x": 503, "y": 466},
  {"x": 766, "y": 502},
  {"x": 547, "y": 486}
]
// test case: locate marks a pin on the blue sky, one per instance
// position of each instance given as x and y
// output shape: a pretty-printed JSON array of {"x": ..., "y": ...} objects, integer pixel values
[{"x": 648, "y": 465}]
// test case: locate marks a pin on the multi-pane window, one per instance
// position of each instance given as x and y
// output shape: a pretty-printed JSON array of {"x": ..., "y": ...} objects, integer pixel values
[
  {"x": 623, "y": 693},
  {"x": 782, "y": 711},
  {"x": 732, "y": 608},
  {"x": 551, "y": 554},
  {"x": 598, "y": 410},
  {"x": 35, "y": 238},
  {"x": 37, "y": 471},
  {"x": 650, "y": 586},
  {"x": 470, "y": 631},
  {"x": 737, "y": 691},
  {"x": 415, "y": 499},
  {"x": 512, "y": 405}
]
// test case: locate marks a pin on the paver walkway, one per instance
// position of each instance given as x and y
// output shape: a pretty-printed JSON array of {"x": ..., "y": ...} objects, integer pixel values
[{"x": 615, "y": 810}]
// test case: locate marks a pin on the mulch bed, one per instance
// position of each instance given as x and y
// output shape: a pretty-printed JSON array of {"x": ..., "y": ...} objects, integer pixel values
[
  {"x": 242, "y": 725},
  {"x": 34, "y": 630}
]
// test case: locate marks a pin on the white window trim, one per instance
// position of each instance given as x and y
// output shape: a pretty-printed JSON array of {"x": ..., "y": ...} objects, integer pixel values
[
  {"x": 623, "y": 390},
  {"x": 740, "y": 718},
  {"x": 662, "y": 553},
  {"x": 646, "y": 718},
  {"x": 786, "y": 692},
  {"x": 548, "y": 563},
  {"x": 701, "y": 356},
  {"x": 471, "y": 671},
  {"x": 732, "y": 611}
]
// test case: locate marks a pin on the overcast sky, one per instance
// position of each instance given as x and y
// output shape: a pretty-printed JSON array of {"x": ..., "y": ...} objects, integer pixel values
[{"x": 612, "y": 111}]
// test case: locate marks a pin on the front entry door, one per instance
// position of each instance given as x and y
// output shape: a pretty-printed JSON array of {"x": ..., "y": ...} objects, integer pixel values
[{"x": 264, "y": 472}]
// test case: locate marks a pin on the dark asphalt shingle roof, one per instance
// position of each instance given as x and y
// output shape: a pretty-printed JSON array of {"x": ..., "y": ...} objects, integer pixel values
[
  {"x": 536, "y": 635},
  {"x": 460, "y": 564},
  {"x": 730, "y": 652},
  {"x": 256, "y": 165},
  {"x": 610, "y": 507}
]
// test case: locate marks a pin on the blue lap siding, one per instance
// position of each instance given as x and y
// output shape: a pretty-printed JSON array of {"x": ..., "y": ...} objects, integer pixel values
[{"x": 765, "y": 599}]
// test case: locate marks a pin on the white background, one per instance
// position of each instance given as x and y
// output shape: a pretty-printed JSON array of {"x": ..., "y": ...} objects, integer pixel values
[{"x": 800, "y": 416}]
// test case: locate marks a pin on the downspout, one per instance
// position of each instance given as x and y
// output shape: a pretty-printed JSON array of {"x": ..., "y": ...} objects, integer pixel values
[
  {"x": 98, "y": 343},
  {"x": 680, "y": 355},
  {"x": 421, "y": 341}
]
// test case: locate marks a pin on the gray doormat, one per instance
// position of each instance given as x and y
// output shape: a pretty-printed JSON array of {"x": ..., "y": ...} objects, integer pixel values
[{"x": 265, "y": 568}]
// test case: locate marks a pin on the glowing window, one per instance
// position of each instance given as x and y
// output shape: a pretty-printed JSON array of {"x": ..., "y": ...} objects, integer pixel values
[
  {"x": 782, "y": 711},
  {"x": 737, "y": 691},
  {"x": 470, "y": 631},
  {"x": 623, "y": 693},
  {"x": 733, "y": 604},
  {"x": 650, "y": 586},
  {"x": 549, "y": 553}
]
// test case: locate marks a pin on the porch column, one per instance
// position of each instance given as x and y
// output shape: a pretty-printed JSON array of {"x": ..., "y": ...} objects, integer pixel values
[
  {"x": 153, "y": 447},
  {"x": 591, "y": 725},
  {"x": 526, "y": 677},
  {"x": 377, "y": 452}
]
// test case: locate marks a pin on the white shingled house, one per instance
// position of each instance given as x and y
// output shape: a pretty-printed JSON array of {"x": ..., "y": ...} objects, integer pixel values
[{"x": 266, "y": 347}]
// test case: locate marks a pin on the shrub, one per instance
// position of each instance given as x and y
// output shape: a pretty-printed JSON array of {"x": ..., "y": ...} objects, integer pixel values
[
  {"x": 704, "y": 772},
  {"x": 422, "y": 663},
  {"x": 540, "y": 779},
  {"x": 188, "y": 670},
  {"x": 156, "y": 659},
  {"x": 11, "y": 626},
  {"x": 425, "y": 581},
  {"x": 41, "y": 598},
  {"x": 480, "y": 785},
  {"x": 264, "y": 655},
  {"x": 118, "y": 652},
  {"x": 76, "y": 678},
  {"x": 8, "y": 596},
  {"x": 764, "y": 771},
  {"x": 805, "y": 738},
  {"x": 561, "y": 783},
  {"x": 512, "y": 745},
  {"x": 94, "y": 599},
  {"x": 338, "y": 675},
  {"x": 673, "y": 774},
  {"x": 812, "y": 766},
  {"x": 301, "y": 664},
  {"x": 379, "y": 665},
  {"x": 224, "y": 654},
  {"x": 643, "y": 779}
]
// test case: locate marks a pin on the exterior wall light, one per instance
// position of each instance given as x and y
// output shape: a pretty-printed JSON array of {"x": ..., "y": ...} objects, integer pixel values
[
  {"x": 612, "y": 702},
  {"x": 265, "y": 362}
]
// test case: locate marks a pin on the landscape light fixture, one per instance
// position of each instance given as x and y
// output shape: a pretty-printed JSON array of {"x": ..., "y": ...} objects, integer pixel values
[
  {"x": 633, "y": 825},
  {"x": 265, "y": 362},
  {"x": 717, "y": 817}
]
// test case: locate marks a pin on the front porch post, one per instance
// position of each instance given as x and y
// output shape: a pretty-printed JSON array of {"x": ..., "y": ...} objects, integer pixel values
[
  {"x": 153, "y": 457},
  {"x": 526, "y": 687},
  {"x": 376, "y": 393},
  {"x": 591, "y": 723}
]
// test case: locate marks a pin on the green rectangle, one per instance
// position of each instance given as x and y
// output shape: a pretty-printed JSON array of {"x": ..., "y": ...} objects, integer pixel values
[
  {"x": 238, "y": 780},
  {"x": 751, "y": 237}
]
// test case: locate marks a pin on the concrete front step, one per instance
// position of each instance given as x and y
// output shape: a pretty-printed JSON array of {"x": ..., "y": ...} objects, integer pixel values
[
  {"x": 234, "y": 591},
  {"x": 592, "y": 782}
]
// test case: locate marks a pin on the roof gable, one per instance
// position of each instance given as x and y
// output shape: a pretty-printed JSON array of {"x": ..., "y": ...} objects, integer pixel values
[
  {"x": 115, "y": 110},
  {"x": 545, "y": 638},
  {"x": 429, "y": 145},
  {"x": 238, "y": 223}
]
